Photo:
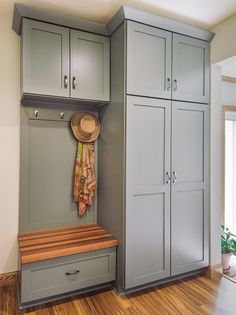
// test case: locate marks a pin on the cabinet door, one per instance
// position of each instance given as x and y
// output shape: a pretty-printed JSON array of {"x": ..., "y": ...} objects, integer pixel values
[
  {"x": 147, "y": 191},
  {"x": 45, "y": 59},
  {"x": 148, "y": 61},
  {"x": 90, "y": 66},
  {"x": 190, "y": 79},
  {"x": 190, "y": 187}
]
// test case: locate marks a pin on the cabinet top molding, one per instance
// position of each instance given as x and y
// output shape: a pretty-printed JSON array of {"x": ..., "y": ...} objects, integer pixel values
[
  {"x": 124, "y": 13},
  {"x": 24, "y": 11},
  {"x": 129, "y": 13}
]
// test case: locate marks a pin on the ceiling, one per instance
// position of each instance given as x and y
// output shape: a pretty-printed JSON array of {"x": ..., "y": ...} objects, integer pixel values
[{"x": 202, "y": 13}]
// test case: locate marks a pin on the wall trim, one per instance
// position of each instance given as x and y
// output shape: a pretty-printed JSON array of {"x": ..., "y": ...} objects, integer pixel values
[
  {"x": 228, "y": 79},
  {"x": 225, "y": 108},
  {"x": 213, "y": 272},
  {"x": 8, "y": 278}
]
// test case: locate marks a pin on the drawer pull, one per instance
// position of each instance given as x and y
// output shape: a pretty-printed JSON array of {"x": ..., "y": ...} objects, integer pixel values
[{"x": 72, "y": 273}]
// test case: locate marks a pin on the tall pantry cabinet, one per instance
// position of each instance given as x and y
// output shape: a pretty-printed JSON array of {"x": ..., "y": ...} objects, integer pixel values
[{"x": 154, "y": 154}]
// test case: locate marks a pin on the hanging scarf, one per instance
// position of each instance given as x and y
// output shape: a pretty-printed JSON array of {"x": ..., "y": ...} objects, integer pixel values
[{"x": 84, "y": 179}]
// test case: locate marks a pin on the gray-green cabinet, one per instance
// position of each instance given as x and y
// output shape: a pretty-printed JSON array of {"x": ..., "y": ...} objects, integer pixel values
[
  {"x": 190, "y": 73},
  {"x": 147, "y": 190},
  {"x": 154, "y": 160},
  {"x": 148, "y": 61},
  {"x": 166, "y": 65},
  {"x": 60, "y": 62},
  {"x": 190, "y": 187},
  {"x": 166, "y": 189},
  {"x": 45, "y": 59},
  {"x": 49, "y": 278},
  {"x": 89, "y": 66}
]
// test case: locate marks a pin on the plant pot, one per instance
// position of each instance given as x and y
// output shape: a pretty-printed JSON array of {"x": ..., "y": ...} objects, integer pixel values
[{"x": 225, "y": 261}]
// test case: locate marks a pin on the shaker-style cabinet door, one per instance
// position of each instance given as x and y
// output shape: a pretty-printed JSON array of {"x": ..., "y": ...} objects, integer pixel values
[
  {"x": 147, "y": 191},
  {"x": 45, "y": 59},
  {"x": 148, "y": 61},
  {"x": 190, "y": 77},
  {"x": 190, "y": 187},
  {"x": 90, "y": 66}
]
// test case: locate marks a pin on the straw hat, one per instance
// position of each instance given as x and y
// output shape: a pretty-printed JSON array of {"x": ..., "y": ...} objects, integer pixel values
[{"x": 85, "y": 126}]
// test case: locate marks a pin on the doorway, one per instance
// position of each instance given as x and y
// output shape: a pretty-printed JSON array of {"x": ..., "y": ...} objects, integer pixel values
[{"x": 229, "y": 168}]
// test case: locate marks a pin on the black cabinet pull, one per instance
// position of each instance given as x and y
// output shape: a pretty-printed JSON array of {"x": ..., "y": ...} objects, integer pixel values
[{"x": 72, "y": 273}]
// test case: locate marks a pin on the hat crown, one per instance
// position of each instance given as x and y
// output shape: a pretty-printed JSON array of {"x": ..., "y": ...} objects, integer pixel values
[{"x": 87, "y": 125}]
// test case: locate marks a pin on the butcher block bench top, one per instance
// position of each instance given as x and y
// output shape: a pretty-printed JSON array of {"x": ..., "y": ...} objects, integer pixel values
[{"x": 54, "y": 243}]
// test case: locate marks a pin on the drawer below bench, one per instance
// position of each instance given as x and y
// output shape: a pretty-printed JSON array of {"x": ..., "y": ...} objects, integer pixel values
[{"x": 60, "y": 275}]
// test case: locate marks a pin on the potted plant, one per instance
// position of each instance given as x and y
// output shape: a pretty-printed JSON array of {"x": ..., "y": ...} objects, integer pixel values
[{"x": 228, "y": 247}]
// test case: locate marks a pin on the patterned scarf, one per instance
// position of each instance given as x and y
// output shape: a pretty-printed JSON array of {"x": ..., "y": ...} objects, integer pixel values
[{"x": 84, "y": 179}]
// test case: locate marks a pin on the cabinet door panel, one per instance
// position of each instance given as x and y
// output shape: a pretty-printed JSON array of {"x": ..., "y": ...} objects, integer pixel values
[
  {"x": 190, "y": 69},
  {"x": 190, "y": 194},
  {"x": 90, "y": 66},
  {"x": 189, "y": 146},
  {"x": 148, "y": 61},
  {"x": 45, "y": 59},
  {"x": 147, "y": 193}
]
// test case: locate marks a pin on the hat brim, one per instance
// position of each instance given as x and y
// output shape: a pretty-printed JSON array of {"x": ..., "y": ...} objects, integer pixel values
[{"x": 75, "y": 121}]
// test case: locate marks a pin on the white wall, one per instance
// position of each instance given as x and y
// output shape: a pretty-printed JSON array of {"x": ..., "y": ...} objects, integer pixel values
[
  {"x": 223, "y": 45},
  {"x": 228, "y": 93},
  {"x": 9, "y": 143},
  {"x": 223, "y": 52}
]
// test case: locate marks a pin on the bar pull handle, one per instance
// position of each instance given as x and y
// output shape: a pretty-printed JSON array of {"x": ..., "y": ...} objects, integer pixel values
[
  {"x": 168, "y": 84},
  {"x": 72, "y": 273},
  {"x": 36, "y": 113},
  {"x": 168, "y": 178},
  {"x": 65, "y": 82},
  {"x": 74, "y": 82},
  {"x": 175, "y": 86},
  {"x": 174, "y": 177}
]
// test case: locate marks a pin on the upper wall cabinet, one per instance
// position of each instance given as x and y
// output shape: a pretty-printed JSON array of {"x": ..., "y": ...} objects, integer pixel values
[
  {"x": 166, "y": 65},
  {"x": 148, "y": 61},
  {"x": 89, "y": 66},
  {"x": 190, "y": 75},
  {"x": 57, "y": 64},
  {"x": 45, "y": 59}
]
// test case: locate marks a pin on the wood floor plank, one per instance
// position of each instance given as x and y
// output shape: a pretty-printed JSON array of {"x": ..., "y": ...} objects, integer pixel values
[
  {"x": 196, "y": 295},
  {"x": 8, "y": 278}
]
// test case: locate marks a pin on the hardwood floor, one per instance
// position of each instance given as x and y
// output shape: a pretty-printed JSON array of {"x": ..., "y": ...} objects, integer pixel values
[{"x": 195, "y": 295}]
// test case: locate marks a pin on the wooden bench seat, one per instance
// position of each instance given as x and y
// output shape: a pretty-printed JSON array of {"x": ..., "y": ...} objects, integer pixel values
[{"x": 61, "y": 242}]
